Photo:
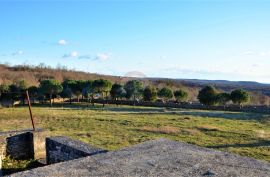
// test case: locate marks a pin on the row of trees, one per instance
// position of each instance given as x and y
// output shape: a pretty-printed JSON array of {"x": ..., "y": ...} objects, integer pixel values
[
  {"x": 210, "y": 96},
  {"x": 88, "y": 89}
]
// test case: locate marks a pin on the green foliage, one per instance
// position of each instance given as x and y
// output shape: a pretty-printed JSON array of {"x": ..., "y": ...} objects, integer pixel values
[
  {"x": 50, "y": 87},
  {"x": 33, "y": 92},
  {"x": 180, "y": 95},
  {"x": 134, "y": 89},
  {"x": 88, "y": 89},
  {"x": 22, "y": 85},
  {"x": 66, "y": 93},
  {"x": 223, "y": 98},
  {"x": 3, "y": 91},
  {"x": 4, "y": 88},
  {"x": 102, "y": 85},
  {"x": 240, "y": 96},
  {"x": 165, "y": 93},
  {"x": 208, "y": 96},
  {"x": 117, "y": 91},
  {"x": 149, "y": 94}
]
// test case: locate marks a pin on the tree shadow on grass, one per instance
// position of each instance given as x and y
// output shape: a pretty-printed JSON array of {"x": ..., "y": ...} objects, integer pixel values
[
  {"x": 228, "y": 115},
  {"x": 260, "y": 143}
]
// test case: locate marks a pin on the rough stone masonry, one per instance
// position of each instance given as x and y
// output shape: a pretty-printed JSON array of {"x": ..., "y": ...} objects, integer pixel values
[
  {"x": 20, "y": 146},
  {"x": 157, "y": 158},
  {"x": 61, "y": 149}
]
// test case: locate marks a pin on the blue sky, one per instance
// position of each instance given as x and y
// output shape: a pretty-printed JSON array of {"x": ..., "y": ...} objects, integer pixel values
[{"x": 176, "y": 39}]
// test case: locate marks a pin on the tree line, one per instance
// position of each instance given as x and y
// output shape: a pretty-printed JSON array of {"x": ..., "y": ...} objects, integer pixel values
[{"x": 132, "y": 90}]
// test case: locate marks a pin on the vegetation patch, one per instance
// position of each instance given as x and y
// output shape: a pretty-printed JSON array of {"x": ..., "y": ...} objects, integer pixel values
[{"x": 12, "y": 166}]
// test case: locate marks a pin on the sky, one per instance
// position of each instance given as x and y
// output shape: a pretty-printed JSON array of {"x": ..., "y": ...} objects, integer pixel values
[{"x": 196, "y": 39}]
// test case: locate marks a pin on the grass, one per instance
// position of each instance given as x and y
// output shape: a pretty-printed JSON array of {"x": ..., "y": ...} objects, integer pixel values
[{"x": 112, "y": 127}]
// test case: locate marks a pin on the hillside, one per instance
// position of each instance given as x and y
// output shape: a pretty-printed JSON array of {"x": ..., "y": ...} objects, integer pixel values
[{"x": 33, "y": 74}]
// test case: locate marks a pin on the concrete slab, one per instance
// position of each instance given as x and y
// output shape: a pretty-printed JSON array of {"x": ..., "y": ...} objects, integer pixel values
[{"x": 157, "y": 158}]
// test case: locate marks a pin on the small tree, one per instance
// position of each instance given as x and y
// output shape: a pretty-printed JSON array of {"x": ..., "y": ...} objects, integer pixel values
[
  {"x": 149, "y": 94},
  {"x": 33, "y": 92},
  {"x": 180, "y": 95},
  {"x": 50, "y": 87},
  {"x": 117, "y": 92},
  {"x": 133, "y": 89},
  {"x": 67, "y": 93},
  {"x": 21, "y": 89},
  {"x": 240, "y": 96},
  {"x": 223, "y": 98},
  {"x": 102, "y": 86},
  {"x": 3, "y": 89},
  {"x": 88, "y": 91},
  {"x": 165, "y": 93},
  {"x": 208, "y": 96}
]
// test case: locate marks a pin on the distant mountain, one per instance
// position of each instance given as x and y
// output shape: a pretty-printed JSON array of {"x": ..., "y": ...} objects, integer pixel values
[{"x": 221, "y": 84}]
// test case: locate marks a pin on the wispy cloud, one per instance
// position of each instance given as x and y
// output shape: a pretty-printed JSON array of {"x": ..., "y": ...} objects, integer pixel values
[
  {"x": 19, "y": 52},
  {"x": 72, "y": 54},
  {"x": 99, "y": 57},
  {"x": 89, "y": 57},
  {"x": 102, "y": 56},
  {"x": 62, "y": 42}
]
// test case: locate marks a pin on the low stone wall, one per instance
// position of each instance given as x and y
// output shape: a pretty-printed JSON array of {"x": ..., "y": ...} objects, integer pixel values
[
  {"x": 246, "y": 108},
  {"x": 21, "y": 146},
  {"x": 60, "y": 149}
]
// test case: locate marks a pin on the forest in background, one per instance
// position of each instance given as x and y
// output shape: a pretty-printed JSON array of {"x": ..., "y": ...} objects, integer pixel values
[{"x": 34, "y": 74}]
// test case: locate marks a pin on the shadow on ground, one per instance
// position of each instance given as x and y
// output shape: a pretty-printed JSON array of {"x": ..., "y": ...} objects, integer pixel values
[{"x": 256, "y": 144}]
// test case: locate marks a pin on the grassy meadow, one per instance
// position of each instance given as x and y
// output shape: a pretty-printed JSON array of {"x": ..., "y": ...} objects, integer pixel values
[{"x": 112, "y": 127}]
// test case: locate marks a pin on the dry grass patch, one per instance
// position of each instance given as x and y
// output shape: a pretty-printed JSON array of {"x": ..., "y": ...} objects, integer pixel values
[
  {"x": 191, "y": 131},
  {"x": 162, "y": 129},
  {"x": 262, "y": 134}
]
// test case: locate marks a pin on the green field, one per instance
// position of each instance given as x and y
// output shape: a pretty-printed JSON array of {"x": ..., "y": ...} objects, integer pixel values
[{"x": 247, "y": 134}]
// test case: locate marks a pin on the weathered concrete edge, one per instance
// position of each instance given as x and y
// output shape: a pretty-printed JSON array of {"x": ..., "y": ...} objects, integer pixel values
[
  {"x": 61, "y": 148},
  {"x": 263, "y": 165}
]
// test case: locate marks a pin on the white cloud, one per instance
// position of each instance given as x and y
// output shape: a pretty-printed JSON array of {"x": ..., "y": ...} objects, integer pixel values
[
  {"x": 19, "y": 52},
  {"x": 72, "y": 54},
  {"x": 62, "y": 42},
  {"x": 102, "y": 56}
]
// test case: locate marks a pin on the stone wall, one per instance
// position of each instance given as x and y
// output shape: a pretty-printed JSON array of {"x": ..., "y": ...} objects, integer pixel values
[
  {"x": 60, "y": 149},
  {"x": 20, "y": 146},
  {"x": 246, "y": 108}
]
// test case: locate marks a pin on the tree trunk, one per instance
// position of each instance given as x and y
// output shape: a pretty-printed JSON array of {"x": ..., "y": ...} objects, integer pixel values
[
  {"x": 134, "y": 100},
  {"x": 106, "y": 97},
  {"x": 51, "y": 100},
  {"x": 103, "y": 100},
  {"x": 69, "y": 100},
  {"x": 92, "y": 100}
]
